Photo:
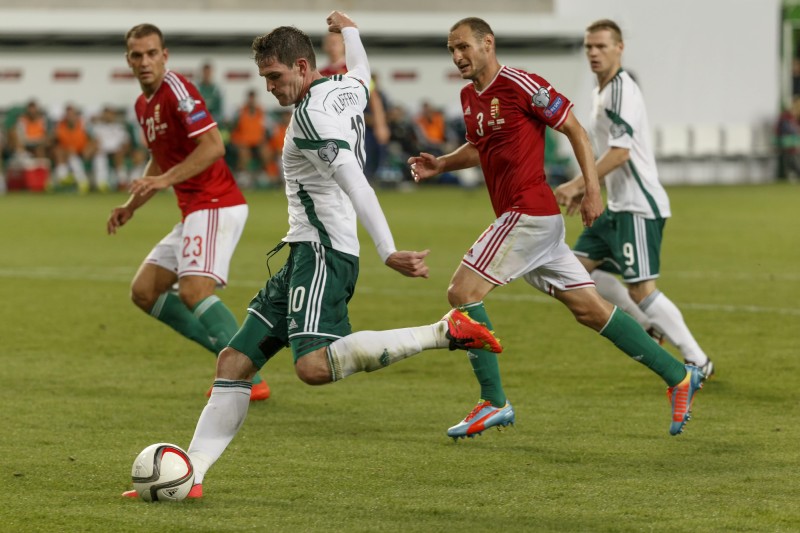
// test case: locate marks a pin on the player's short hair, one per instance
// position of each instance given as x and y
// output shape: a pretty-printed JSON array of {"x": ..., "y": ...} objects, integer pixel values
[
  {"x": 286, "y": 44},
  {"x": 143, "y": 30},
  {"x": 606, "y": 24},
  {"x": 480, "y": 28}
]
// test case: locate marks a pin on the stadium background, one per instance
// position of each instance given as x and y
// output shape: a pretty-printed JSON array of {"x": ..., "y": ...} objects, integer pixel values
[{"x": 708, "y": 68}]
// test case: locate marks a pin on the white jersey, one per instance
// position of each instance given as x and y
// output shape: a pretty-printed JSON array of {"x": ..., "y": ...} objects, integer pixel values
[
  {"x": 619, "y": 119},
  {"x": 326, "y": 132}
]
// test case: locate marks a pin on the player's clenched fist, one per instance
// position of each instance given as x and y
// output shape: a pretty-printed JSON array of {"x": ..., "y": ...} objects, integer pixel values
[{"x": 338, "y": 20}]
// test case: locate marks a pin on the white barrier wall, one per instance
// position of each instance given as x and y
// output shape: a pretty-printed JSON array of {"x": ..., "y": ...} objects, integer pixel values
[
  {"x": 93, "y": 79},
  {"x": 709, "y": 62}
]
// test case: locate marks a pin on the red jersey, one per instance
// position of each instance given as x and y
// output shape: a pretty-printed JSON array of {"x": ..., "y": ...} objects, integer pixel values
[
  {"x": 339, "y": 67},
  {"x": 170, "y": 119},
  {"x": 506, "y": 122}
]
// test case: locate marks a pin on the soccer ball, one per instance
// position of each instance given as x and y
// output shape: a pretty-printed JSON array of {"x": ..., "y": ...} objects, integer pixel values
[{"x": 162, "y": 472}]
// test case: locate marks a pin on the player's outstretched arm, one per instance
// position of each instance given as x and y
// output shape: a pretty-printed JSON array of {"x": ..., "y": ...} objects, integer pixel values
[
  {"x": 411, "y": 264},
  {"x": 338, "y": 20},
  {"x": 570, "y": 194},
  {"x": 210, "y": 147},
  {"x": 120, "y": 215},
  {"x": 354, "y": 54},
  {"x": 349, "y": 176},
  {"x": 592, "y": 203},
  {"x": 424, "y": 165}
]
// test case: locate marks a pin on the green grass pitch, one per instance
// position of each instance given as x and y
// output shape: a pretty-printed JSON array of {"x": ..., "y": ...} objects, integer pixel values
[{"x": 88, "y": 381}]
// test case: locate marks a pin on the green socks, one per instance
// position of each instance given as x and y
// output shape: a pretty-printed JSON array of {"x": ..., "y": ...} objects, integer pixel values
[
  {"x": 628, "y": 336},
  {"x": 484, "y": 363},
  {"x": 217, "y": 320},
  {"x": 170, "y": 310},
  {"x": 219, "y": 323}
]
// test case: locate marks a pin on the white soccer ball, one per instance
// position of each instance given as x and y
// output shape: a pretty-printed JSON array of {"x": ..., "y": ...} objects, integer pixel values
[{"x": 162, "y": 472}]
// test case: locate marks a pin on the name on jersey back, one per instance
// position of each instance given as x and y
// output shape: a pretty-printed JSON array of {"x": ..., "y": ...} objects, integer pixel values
[{"x": 343, "y": 100}]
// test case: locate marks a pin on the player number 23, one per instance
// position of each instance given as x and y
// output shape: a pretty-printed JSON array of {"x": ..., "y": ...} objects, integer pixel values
[{"x": 192, "y": 246}]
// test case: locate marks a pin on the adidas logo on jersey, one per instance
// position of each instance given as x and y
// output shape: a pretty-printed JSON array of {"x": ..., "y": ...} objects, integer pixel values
[
  {"x": 467, "y": 111},
  {"x": 629, "y": 272},
  {"x": 292, "y": 324}
]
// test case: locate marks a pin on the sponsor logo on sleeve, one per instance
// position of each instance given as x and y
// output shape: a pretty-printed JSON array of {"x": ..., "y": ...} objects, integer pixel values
[
  {"x": 200, "y": 115},
  {"x": 328, "y": 152},
  {"x": 554, "y": 107},
  {"x": 617, "y": 130}
]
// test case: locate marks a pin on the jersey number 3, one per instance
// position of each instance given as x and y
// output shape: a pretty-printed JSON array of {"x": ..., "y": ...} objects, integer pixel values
[{"x": 479, "y": 130}]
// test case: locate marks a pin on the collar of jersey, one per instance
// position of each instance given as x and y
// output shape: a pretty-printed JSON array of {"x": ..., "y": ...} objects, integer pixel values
[{"x": 308, "y": 94}]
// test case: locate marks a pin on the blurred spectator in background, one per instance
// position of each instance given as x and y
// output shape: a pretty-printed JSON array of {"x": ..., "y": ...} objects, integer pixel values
[
  {"x": 402, "y": 129},
  {"x": 789, "y": 140},
  {"x": 72, "y": 148},
  {"x": 248, "y": 138},
  {"x": 210, "y": 92},
  {"x": 2, "y": 158},
  {"x": 333, "y": 47},
  {"x": 113, "y": 143},
  {"x": 31, "y": 133},
  {"x": 432, "y": 129},
  {"x": 796, "y": 76},
  {"x": 376, "y": 135},
  {"x": 277, "y": 134},
  {"x": 403, "y": 144},
  {"x": 138, "y": 155}
]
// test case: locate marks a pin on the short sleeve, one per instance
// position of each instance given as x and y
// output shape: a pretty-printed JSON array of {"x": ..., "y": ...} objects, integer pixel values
[
  {"x": 547, "y": 104},
  {"x": 191, "y": 110},
  {"x": 623, "y": 115}
]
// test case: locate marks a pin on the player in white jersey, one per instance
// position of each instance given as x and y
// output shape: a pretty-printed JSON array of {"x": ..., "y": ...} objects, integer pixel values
[
  {"x": 304, "y": 305},
  {"x": 329, "y": 122},
  {"x": 626, "y": 239}
]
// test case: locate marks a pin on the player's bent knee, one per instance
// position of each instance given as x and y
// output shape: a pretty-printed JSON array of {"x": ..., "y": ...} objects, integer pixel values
[
  {"x": 193, "y": 293},
  {"x": 587, "y": 306},
  {"x": 313, "y": 368},
  {"x": 456, "y": 297},
  {"x": 637, "y": 294},
  {"x": 233, "y": 364},
  {"x": 143, "y": 299}
]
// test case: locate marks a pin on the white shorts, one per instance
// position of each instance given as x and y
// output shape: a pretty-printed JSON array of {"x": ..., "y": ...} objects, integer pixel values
[
  {"x": 533, "y": 248},
  {"x": 203, "y": 244}
]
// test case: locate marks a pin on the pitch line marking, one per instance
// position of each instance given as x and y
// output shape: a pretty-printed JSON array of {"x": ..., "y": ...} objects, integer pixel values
[{"x": 125, "y": 274}]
